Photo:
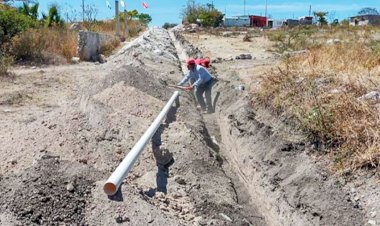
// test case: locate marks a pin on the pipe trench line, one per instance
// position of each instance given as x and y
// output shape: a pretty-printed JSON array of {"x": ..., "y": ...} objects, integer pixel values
[{"x": 116, "y": 179}]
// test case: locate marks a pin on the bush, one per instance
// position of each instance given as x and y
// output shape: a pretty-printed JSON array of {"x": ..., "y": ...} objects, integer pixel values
[
  {"x": 44, "y": 44},
  {"x": 322, "y": 91},
  {"x": 298, "y": 38},
  {"x": 12, "y": 23},
  {"x": 169, "y": 25},
  {"x": 109, "y": 46},
  {"x": 108, "y": 27}
]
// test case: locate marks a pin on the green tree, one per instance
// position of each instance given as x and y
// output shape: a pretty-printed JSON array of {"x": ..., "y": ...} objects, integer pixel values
[
  {"x": 191, "y": 12},
  {"x": 134, "y": 14},
  {"x": 321, "y": 17},
  {"x": 368, "y": 11},
  {"x": 211, "y": 17},
  {"x": 144, "y": 18},
  {"x": 206, "y": 14}
]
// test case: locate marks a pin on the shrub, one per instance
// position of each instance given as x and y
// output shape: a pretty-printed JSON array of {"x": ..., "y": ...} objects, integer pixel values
[
  {"x": 43, "y": 44},
  {"x": 12, "y": 23},
  {"x": 28, "y": 46},
  {"x": 108, "y": 27},
  {"x": 321, "y": 91},
  {"x": 109, "y": 46},
  {"x": 298, "y": 38},
  {"x": 168, "y": 25}
]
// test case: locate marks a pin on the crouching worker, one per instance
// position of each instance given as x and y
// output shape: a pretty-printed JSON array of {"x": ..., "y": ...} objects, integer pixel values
[{"x": 203, "y": 84}]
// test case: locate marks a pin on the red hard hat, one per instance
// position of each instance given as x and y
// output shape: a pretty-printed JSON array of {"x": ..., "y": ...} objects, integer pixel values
[{"x": 190, "y": 61}]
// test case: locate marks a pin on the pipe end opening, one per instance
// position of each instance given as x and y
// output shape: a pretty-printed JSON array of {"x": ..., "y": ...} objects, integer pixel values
[{"x": 110, "y": 189}]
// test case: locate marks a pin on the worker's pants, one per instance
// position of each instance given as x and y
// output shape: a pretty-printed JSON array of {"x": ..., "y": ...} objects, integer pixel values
[{"x": 206, "y": 90}]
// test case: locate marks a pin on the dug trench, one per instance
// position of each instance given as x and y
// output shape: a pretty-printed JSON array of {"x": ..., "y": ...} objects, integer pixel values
[
  {"x": 274, "y": 161},
  {"x": 54, "y": 166}
]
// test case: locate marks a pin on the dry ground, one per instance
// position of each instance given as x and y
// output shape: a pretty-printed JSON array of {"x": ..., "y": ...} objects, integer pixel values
[{"x": 259, "y": 132}]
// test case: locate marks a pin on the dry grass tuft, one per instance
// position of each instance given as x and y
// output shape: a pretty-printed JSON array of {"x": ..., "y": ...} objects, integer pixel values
[
  {"x": 322, "y": 91},
  {"x": 109, "y": 47},
  {"x": 108, "y": 27},
  {"x": 45, "y": 45},
  {"x": 5, "y": 63}
]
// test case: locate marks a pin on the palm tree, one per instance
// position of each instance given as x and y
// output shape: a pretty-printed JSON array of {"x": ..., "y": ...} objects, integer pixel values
[
  {"x": 27, "y": 10},
  {"x": 321, "y": 17},
  {"x": 53, "y": 18}
]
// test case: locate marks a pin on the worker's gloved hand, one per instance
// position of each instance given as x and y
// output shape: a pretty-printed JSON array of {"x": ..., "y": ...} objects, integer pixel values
[{"x": 188, "y": 88}]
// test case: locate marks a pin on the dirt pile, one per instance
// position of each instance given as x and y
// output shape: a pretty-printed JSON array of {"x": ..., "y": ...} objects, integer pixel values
[{"x": 51, "y": 193}]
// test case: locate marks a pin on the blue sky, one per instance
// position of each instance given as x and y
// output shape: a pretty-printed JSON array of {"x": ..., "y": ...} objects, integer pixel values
[{"x": 169, "y": 10}]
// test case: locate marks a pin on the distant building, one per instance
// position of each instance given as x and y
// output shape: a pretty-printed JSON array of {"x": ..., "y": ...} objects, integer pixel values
[
  {"x": 292, "y": 22},
  {"x": 258, "y": 21},
  {"x": 362, "y": 20},
  {"x": 273, "y": 23},
  {"x": 237, "y": 21},
  {"x": 306, "y": 20}
]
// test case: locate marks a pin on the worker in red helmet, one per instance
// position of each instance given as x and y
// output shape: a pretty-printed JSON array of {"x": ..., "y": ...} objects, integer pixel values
[
  {"x": 205, "y": 62},
  {"x": 203, "y": 84}
]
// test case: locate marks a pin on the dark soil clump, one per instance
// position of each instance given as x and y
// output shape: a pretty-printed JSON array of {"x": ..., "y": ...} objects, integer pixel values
[{"x": 49, "y": 195}]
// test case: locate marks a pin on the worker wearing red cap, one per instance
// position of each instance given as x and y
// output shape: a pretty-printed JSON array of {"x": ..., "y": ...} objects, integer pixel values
[
  {"x": 203, "y": 84},
  {"x": 205, "y": 62}
]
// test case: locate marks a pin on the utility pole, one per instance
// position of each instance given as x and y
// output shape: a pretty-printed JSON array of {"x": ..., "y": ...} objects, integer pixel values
[
  {"x": 117, "y": 18},
  {"x": 126, "y": 22},
  {"x": 244, "y": 7},
  {"x": 310, "y": 11},
  {"x": 83, "y": 10},
  {"x": 266, "y": 13}
]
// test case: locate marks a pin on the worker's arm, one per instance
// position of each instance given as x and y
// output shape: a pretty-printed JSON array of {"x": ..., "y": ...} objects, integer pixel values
[
  {"x": 185, "y": 79},
  {"x": 203, "y": 76}
]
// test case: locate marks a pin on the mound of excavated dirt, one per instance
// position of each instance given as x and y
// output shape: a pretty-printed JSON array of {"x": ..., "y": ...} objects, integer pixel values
[{"x": 51, "y": 193}]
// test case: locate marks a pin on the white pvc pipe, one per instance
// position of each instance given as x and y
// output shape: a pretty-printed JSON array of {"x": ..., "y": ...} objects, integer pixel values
[{"x": 116, "y": 179}]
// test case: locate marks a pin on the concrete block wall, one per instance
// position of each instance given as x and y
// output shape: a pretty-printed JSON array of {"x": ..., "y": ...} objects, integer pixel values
[{"x": 90, "y": 44}]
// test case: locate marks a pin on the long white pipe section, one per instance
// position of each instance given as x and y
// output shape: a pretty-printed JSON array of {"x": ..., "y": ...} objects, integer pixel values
[{"x": 116, "y": 179}]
